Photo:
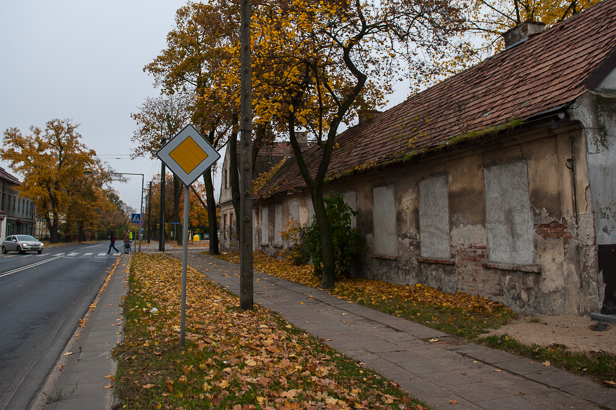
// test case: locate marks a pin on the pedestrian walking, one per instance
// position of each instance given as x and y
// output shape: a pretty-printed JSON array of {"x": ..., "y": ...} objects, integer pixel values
[
  {"x": 126, "y": 242},
  {"x": 112, "y": 239}
]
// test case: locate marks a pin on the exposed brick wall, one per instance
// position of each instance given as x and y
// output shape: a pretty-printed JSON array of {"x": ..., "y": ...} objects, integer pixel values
[
  {"x": 473, "y": 278},
  {"x": 471, "y": 255},
  {"x": 554, "y": 230}
]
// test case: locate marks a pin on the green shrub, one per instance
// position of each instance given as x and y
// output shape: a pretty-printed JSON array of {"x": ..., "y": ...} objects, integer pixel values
[{"x": 348, "y": 241}]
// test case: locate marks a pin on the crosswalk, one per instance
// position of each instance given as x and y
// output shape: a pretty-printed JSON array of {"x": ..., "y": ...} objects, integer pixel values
[{"x": 66, "y": 255}]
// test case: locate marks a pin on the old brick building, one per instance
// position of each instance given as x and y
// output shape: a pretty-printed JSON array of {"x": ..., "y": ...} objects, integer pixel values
[{"x": 499, "y": 181}]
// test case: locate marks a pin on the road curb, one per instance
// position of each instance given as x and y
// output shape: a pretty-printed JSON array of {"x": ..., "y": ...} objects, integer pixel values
[{"x": 60, "y": 372}]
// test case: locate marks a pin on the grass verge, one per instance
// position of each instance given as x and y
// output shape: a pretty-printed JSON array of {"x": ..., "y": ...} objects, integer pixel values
[
  {"x": 600, "y": 365},
  {"x": 232, "y": 359}
]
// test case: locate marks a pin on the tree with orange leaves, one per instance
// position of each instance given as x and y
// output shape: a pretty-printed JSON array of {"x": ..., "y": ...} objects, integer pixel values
[{"x": 333, "y": 58}]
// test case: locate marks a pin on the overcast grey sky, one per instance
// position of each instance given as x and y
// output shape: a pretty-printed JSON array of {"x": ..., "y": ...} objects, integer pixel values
[{"x": 83, "y": 60}]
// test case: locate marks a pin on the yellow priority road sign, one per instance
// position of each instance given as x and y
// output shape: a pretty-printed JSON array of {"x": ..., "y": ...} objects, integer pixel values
[{"x": 188, "y": 155}]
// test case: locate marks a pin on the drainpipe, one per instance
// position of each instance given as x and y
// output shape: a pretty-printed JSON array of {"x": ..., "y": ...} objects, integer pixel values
[
  {"x": 573, "y": 168},
  {"x": 571, "y": 164}
]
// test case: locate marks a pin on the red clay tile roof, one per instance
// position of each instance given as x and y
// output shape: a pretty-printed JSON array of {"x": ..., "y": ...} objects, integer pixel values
[
  {"x": 544, "y": 73},
  {"x": 8, "y": 177}
]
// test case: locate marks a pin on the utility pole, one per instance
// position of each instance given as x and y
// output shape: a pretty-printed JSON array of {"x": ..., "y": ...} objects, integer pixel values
[
  {"x": 245, "y": 217},
  {"x": 150, "y": 213}
]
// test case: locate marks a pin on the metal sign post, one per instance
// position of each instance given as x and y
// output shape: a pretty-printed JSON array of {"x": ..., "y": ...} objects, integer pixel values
[
  {"x": 136, "y": 218},
  {"x": 187, "y": 155},
  {"x": 184, "y": 261}
]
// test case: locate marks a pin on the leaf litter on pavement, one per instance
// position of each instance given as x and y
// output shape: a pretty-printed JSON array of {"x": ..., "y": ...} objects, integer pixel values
[
  {"x": 233, "y": 359},
  {"x": 458, "y": 313}
]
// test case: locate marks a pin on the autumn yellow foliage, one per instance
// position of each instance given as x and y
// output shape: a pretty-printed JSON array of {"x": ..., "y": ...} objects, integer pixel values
[{"x": 456, "y": 313}]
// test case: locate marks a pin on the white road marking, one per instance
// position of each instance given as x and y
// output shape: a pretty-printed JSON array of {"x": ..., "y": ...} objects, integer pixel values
[
  {"x": 72, "y": 255},
  {"x": 27, "y": 267},
  {"x": 87, "y": 254}
]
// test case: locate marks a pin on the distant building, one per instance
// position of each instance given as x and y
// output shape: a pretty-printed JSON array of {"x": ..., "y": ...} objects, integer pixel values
[
  {"x": 17, "y": 213},
  {"x": 269, "y": 157}
]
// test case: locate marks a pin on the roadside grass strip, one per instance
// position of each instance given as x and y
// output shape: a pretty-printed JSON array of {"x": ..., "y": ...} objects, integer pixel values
[{"x": 233, "y": 359}]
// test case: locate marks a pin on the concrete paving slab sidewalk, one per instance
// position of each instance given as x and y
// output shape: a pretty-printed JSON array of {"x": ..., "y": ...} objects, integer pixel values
[
  {"x": 441, "y": 373},
  {"x": 81, "y": 382}
]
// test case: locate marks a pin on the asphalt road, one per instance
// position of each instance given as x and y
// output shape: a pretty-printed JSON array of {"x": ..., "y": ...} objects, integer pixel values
[{"x": 42, "y": 298}]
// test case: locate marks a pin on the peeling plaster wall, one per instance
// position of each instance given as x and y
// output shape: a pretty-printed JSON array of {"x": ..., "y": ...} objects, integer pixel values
[
  {"x": 556, "y": 273},
  {"x": 598, "y": 114},
  {"x": 597, "y": 222}
]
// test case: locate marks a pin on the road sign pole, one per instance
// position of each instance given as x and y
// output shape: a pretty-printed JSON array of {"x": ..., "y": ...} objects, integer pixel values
[
  {"x": 184, "y": 262},
  {"x": 188, "y": 155}
]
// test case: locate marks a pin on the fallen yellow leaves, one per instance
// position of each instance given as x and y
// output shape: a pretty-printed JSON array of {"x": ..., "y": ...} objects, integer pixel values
[
  {"x": 456, "y": 313},
  {"x": 233, "y": 357},
  {"x": 366, "y": 288}
]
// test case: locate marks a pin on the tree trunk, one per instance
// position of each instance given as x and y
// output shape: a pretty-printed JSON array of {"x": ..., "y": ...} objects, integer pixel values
[
  {"x": 325, "y": 235},
  {"x": 52, "y": 227},
  {"x": 211, "y": 212},
  {"x": 177, "y": 195},
  {"x": 244, "y": 219}
]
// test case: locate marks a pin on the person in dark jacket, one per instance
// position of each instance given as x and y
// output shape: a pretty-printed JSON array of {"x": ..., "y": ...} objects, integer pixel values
[{"x": 112, "y": 240}]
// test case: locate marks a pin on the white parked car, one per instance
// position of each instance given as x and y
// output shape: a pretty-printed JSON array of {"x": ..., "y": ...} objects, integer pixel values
[{"x": 21, "y": 244}]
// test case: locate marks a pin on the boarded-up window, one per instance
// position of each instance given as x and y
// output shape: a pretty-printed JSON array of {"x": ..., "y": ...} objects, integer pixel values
[
  {"x": 310, "y": 210},
  {"x": 264, "y": 225},
  {"x": 350, "y": 198},
  {"x": 278, "y": 224},
  {"x": 509, "y": 220},
  {"x": 294, "y": 210},
  {"x": 384, "y": 221},
  {"x": 255, "y": 240},
  {"x": 434, "y": 218}
]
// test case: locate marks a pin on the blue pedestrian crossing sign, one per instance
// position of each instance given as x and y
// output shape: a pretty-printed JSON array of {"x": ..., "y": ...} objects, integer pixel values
[{"x": 135, "y": 218}]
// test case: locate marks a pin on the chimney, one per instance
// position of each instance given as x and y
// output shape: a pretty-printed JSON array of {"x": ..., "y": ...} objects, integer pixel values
[
  {"x": 366, "y": 115},
  {"x": 520, "y": 33},
  {"x": 302, "y": 137}
]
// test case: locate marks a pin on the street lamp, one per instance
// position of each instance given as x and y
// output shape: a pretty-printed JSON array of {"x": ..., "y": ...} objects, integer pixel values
[{"x": 88, "y": 172}]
